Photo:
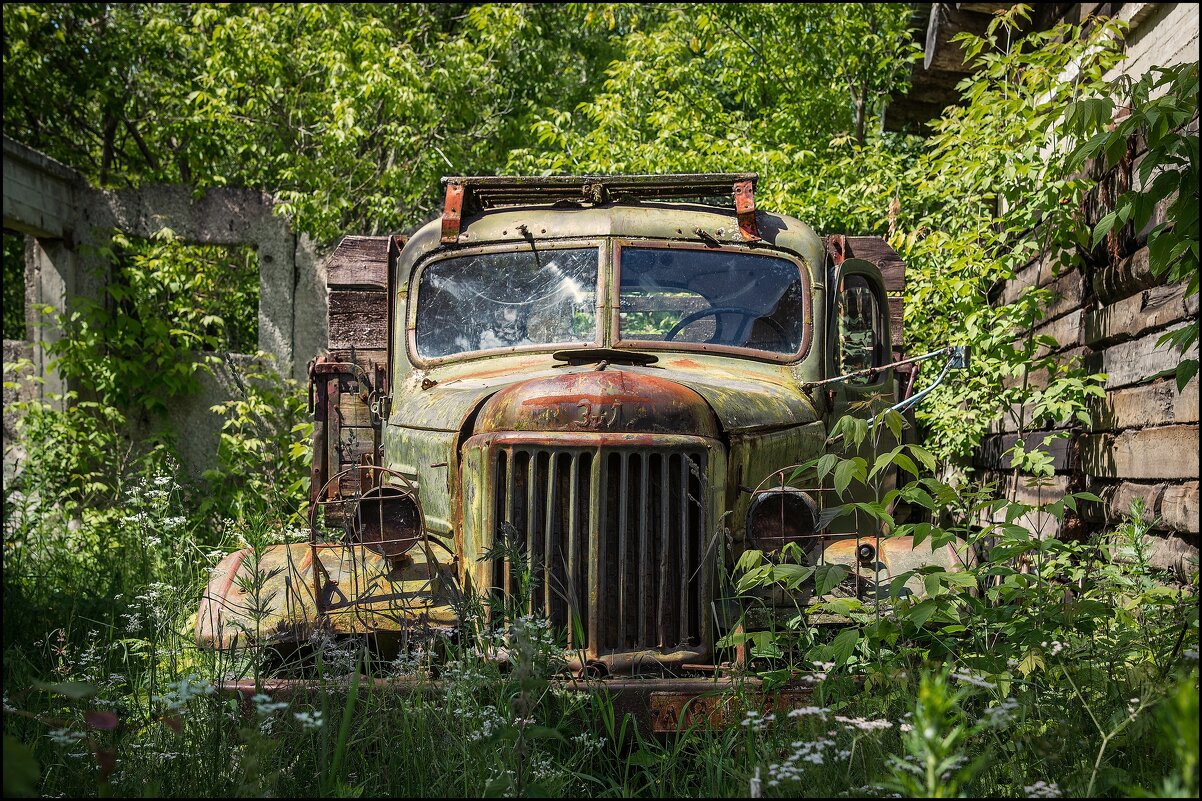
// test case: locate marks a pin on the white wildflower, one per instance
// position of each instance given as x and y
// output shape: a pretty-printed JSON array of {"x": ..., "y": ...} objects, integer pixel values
[
  {"x": 1042, "y": 789},
  {"x": 809, "y": 710},
  {"x": 1003, "y": 713},
  {"x": 863, "y": 724},
  {"x": 975, "y": 681},
  {"x": 65, "y": 737},
  {"x": 265, "y": 706},
  {"x": 181, "y": 692},
  {"x": 310, "y": 720}
]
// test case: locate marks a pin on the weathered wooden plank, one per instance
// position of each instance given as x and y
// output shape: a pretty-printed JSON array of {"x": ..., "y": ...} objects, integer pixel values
[
  {"x": 1068, "y": 293},
  {"x": 1067, "y": 284},
  {"x": 948, "y": 20},
  {"x": 1063, "y": 451},
  {"x": 1138, "y": 360},
  {"x": 1124, "y": 278},
  {"x": 358, "y": 319},
  {"x": 1179, "y": 507},
  {"x": 367, "y": 358},
  {"x": 1158, "y": 403},
  {"x": 355, "y": 413},
  {"x": 1148, "y": 453},
  {"x": 1066, "y": 330},
  {"x": 896, "y": 324},
  {"x": 1145, "y": 311},
  {"x": 876, "y": 250},
  {"x": 1032, "y": 492},
  {"x": 1117, "y": 497},
  {"x": 359, "y": 262},
  {"x": 1038, "y": 379},
  {"x": 353, "y": 442}
]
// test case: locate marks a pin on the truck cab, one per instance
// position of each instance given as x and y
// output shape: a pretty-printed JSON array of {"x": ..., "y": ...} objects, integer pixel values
[{"x": 591, "y": 394}]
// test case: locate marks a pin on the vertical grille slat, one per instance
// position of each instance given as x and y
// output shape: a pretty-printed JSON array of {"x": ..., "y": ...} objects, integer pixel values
[
  {"x": 573, "y": 548},
  {"x": 664, "y": 541},
  {"x": 682, "y": 610},
  {"x": 613, "y": 538},
  {"x": 645, "y": 578},
  {"x": 623, "y": 506},
  {"x": 548, "y": 561},
  {"x": 597, "y": 553}
]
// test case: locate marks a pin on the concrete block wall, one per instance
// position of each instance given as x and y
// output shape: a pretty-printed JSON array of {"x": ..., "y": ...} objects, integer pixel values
[{"x": 66, "y": 221}]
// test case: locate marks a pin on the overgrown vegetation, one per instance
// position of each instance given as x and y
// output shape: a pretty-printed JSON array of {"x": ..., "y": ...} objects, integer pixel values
[{"x": 349, "y": 114}]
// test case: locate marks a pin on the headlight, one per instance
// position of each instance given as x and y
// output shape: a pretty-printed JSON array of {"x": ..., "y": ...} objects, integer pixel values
[
  {"x": 388, "y": 520},
  {"x": 778, "y": 516}
]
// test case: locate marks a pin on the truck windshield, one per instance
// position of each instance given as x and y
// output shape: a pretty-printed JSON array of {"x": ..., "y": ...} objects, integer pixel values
[
  {"x": 491, "y": 301},
  {"x": 711, "y": 297}
]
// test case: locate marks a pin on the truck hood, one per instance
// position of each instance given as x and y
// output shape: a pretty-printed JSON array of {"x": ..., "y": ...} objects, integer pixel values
[{"x": 620, "y": 398}]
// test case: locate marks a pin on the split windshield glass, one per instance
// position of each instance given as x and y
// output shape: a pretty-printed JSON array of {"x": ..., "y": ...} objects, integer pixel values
[
  {"x": 711, "y": 297},
  {"x": 491, "y": 301}
]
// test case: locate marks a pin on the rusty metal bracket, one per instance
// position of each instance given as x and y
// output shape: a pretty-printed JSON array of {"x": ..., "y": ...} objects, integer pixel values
[
  {"x": 452, "y": 213},
  {"x": 836, "y": 245},
  {"x": 744, "y": 192}
]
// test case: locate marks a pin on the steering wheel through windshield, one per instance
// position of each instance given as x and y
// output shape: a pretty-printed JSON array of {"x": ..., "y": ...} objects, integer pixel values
[{"x": 716, "y": 311}]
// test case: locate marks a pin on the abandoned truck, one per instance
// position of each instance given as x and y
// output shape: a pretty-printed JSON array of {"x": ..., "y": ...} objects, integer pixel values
[{"x": 574, "y": 396}]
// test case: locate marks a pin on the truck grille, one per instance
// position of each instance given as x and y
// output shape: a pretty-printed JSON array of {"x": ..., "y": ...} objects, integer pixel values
[{"x": 615, "y": 540}]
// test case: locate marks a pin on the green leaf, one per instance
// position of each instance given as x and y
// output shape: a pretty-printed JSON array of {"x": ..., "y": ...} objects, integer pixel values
[
  {"x": 846, "y": 471},
  {"x": 22, "y": 774},
  {"x": 827, "y": 577},
  {"x": 75, "y": 690},
  {"x": 842, "y": 606},
  {"x": 543, "y": 733},
  {"x": 921, "y": 612},
  {"x": 644, "y": 759},
  {"x": 843, "y": 645},
  {"x": 1186, "y": 370},
  {"x": 959, "y": 579},
  {"x": 924, "y": 456}
]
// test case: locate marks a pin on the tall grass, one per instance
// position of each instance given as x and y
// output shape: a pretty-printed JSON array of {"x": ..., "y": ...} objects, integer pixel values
[{"x": 105, "y": 692}]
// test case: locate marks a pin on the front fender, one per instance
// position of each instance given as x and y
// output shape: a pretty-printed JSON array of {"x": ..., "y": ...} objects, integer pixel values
[
  {"x": 870, "y": 578},
  {"x": 274, "y": 600}
]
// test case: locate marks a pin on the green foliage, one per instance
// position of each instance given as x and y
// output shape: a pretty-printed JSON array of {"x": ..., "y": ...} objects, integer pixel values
[
  {"x": 1062, "y": 640},
  {"x": 743, "y": 86},
  {"x": 14, "y": 286},
  {"x": 168, "y": 306},
  {"x": 1158, "y": 108},
  {"x": 348, "y": 113},
  {"x": 994, "y": 189},
  {"x": 265, "y": 448}
]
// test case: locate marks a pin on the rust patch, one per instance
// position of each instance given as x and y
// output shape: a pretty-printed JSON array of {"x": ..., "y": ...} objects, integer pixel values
[
  {"x": 612, "y": 400},
  {"x": 452, "y": 213},
  {"x": 675, "y": 711},
  {"x": 744, "y": 192}
]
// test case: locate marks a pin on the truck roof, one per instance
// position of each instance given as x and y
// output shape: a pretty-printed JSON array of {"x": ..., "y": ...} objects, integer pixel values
[{"x": 492, "y": 210}]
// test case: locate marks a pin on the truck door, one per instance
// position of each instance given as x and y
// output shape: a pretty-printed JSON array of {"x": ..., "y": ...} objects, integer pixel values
[{"x": 859, "y": 337}]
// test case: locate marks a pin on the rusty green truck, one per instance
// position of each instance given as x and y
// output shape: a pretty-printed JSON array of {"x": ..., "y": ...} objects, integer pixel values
[{"x": 605, "y": 376}]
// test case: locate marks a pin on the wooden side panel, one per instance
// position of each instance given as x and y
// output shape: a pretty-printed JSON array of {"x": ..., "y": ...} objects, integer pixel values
[
  {"x": 359, "y": 262},
  {"x": 876, "y": 250},
  {"x": 357, "y": 317}
]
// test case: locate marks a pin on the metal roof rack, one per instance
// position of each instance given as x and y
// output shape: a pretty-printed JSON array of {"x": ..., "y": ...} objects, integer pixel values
[{"x": 469, "y": 194}]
